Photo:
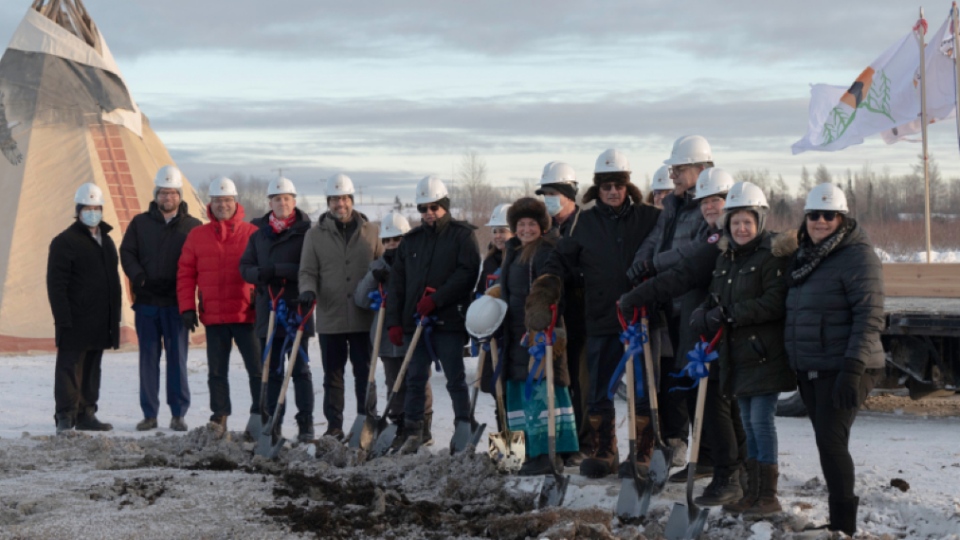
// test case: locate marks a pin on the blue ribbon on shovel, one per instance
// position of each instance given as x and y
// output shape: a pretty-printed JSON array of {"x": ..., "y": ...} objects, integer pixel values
[
  {"x": 634, "y": 336},
  {"x": 275, "y": 302},
  {"x": 427, "y": 324},
  {"x": 538, "y": 350},
  {"x": 376, "y": 300},
  {"x": 292, "y": 321},
  {"x": 697, "y": 360}
]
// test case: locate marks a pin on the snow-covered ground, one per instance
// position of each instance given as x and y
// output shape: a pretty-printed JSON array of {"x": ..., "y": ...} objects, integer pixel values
[
  {"x": 919, "y": 257},
  {"x": 103, "y": 486}
]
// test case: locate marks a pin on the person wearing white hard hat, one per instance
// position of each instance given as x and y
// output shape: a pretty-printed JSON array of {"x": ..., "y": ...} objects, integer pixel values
[
  {"x": 660, "y": 186},
  {"x": 369, "y": 294},
  {"x": 833, "y": 324},
  {"x": 209, "y": 270},
  {"x": 271, "y": 262},
  {"x": 432, "y": 281},
  {"x": 490, "y": 267},
  {"x": 336, "y": 254},
  {"x": 83, "y": 287},
  {"x": 600, "y": 249},
  {"x": 149, "y": 254}
]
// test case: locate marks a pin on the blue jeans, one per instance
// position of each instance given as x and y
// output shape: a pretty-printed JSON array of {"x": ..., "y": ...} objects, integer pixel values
[
  {"x": 160, "y": 328},
  {"x": 758, "y": 414},
  {"x": 449, "y": 349}
]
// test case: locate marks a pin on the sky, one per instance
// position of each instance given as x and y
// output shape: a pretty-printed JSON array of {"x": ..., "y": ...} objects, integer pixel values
[{"x": 388, "y": 92}]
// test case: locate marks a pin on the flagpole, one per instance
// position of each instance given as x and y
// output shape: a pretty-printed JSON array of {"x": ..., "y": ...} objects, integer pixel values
[
  {"x": 921, "y": 33},
  {"x": 955, "y": 23}
]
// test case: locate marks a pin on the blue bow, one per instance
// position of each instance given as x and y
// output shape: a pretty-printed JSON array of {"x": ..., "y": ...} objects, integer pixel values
[
  {"x": 291, "y": 321},
  {"x": 634, "y": 337},
  {"x": 537, "y": 351},
  {"x": 376, "y": 300},
  {"x": 696, "y": 367},
  {"x": 427, "y": 324}
]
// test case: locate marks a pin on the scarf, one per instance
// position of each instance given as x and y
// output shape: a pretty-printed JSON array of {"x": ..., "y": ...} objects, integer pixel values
[
  {"x": 810, "y": 255},
  {"x": 280, "y": 225}
]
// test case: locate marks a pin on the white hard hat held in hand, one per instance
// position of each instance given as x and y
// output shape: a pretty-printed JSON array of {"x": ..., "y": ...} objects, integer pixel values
[{"x": 485, "y": 315}]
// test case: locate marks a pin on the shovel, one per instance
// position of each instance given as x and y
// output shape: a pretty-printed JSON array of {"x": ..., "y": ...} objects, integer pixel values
[
  {"x": 554, "y": 486},
  {"x": 634, "y": 498},
  {"x": 687, "y": 523},
  {"x": 364, "y": 430},
  {"x": 506, "y": 449},
  {"x": 465, "y": 435},
  {"x": 389, "y": 432},
  {"x": 256, "y": 422},
  {"x": 272, "y": 426},
  {"x": 662, "y": 453}
]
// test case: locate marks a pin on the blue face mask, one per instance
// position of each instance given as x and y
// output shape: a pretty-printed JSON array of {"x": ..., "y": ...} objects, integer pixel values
[
  {"x": 91, "y": 218},
  {"x": 553, "y": 204}
]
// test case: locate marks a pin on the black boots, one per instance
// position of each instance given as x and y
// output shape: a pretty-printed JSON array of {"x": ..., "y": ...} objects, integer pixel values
[
  {"x": 607, "y": 457},
  {"x": 414, "y": 433},
  {"x": 305, "y": 427},
  {"x": 843, "y": 514},
  {"x": 723, "y": 489},
  {"x": 540, "y": 465},
  {"x": 64, "y": 423},
  {"x": 751, "y": 492},
  {"x": 87, "y": 421}
]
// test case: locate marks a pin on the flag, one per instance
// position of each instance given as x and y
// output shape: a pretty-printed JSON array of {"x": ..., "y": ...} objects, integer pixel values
[{"x": 884, "y": 98}]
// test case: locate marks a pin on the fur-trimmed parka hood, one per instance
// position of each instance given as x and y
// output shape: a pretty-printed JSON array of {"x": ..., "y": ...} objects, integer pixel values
[
  {"x": 781, "y": 244},
  {"x": 632, "y": 191}
]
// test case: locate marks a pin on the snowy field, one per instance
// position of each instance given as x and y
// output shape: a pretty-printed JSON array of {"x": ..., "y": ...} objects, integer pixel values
[{"x": 128, "y": 484}]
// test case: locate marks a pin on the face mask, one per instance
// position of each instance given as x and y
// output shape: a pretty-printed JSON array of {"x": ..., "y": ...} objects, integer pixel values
[
  {"x": 553, "y": 203},
  {"x": 91, "y": 218}
]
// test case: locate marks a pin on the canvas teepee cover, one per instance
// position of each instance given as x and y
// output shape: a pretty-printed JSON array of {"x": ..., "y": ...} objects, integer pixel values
[{"x": 66, "y": 118}]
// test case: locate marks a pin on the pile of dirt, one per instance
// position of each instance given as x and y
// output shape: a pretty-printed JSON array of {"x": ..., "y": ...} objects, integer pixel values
[{"x": 902, "y": 404}]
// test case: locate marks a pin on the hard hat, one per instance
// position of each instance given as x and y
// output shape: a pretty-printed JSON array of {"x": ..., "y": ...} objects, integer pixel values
[
  {"x": 485, "y": 315},
  {"x": 498, "y": 218},
  {"x": 430, "y": 189},
  {"x": 826, "y": 197},
  {"x": 612, "y": 160},
  {"x": 281, "y": 186},
  {"x": 339, "y": 184},
  {"x": 168, "y": 177},
  {"x": 394, "y": 225},
  {"x": 714, "y": 181},
  {"x": 690, "y": 149},
  {"x": 661, "y": 180},
  {"x": 557, "y": 172},
  {"x": 223, "y": 187},
  {"x": 745, "y": 195},
  {"x": 89, "y": 195}
]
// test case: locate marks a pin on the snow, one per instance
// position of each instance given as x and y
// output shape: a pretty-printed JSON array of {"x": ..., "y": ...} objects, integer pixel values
[
  {"x": 127, "y": 484},
  {"x": 918, "y": 257}
]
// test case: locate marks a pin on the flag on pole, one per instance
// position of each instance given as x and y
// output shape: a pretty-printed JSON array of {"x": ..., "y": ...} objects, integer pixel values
[{"x": 885, "y": 97}]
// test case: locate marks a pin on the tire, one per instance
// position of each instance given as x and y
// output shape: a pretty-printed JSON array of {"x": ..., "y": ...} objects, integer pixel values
[{"x": 790, "y": 404}]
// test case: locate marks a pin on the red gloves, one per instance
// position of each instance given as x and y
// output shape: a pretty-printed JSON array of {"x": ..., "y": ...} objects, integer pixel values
[
  {"x": 396, "y": 335},
  {"x": 426, "y": 306}
]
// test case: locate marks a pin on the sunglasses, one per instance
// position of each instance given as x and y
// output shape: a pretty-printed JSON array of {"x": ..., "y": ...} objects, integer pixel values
[
  {"x": 394, "y": 240},
  {"x": 828, "y": 215},
  {"x": 424, "y": 208},
  {"x": 611, "y": 187}
]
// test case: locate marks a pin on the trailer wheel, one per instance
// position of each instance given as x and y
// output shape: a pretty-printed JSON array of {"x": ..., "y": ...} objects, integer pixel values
[{"x": 791, "y": 404}]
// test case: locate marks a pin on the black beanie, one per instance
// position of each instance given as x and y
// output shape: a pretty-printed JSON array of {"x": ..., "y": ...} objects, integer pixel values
[{"x": 567, "y": 190}]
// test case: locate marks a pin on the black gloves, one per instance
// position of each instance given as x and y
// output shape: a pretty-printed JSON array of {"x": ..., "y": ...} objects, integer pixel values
[
  {"x": 846, "y": 389},
  {"x": 307, "y": 298},
  {"x": 381, "y": 275},
  {"x": 634, "y": 300},
  {"x": 641, "y": 270},
  {"x": 706, "y": 322},
  {"x": 189, "y": 319},
  {"x": 267, "y": 273}
]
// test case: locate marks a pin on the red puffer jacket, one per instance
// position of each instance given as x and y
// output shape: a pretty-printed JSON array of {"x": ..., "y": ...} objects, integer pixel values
[{"x": 211, "y": 261}]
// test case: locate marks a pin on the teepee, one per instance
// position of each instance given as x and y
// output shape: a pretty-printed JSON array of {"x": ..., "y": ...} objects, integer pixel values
[{"x": 66, "y": 118}]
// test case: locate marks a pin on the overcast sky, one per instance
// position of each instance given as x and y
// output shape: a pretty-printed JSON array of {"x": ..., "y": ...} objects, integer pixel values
[{"x": 388, "y": 92}]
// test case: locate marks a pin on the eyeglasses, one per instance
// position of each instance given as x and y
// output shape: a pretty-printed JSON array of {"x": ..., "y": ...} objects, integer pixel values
[
  {"x": 677, "y": 169},
  {"x": 424, "y": 208},
  {"x": 828, "y": 215},
  {"x": 610, "y": 186}
]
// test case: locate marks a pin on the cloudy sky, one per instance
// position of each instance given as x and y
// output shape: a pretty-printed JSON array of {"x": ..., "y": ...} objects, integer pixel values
[{"x": 387, "y": 92}]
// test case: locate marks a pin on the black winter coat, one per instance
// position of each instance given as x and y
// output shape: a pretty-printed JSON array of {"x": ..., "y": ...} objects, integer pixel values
[
  {"x": 281, "y": 251},
  {"x": 749, "y": 282},
  {"x": 679, "y": 227},
  {"x": 83, "y": 286},
  {"x": 445, "y": 257},
  {"x": 837, "y": 311},
  {"x": 149, "y": 253},
  {"x": 489, "y": 267},
  {"x": 602, "y": 248}
]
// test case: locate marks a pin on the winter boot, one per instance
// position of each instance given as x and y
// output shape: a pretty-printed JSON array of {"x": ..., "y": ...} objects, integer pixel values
[
  {"x": 679, "y": 453},
  {"x": 218, "y": 424},
  {"x": 335, "y": 432},
  {"x": 607, "y": 456},
  {"x": 536, "y": 466},
  {"x": 767, "y": 502},
  {"x": 751, "y": 492},
  {"x": 843, "y": 514},
  {"x": 644, "y": 450},
  {"x": 414, "y": 433},
  {"x": 723, "y": 489},
  {"x": 87, "y": 421},
  {"x": 147, "y": 424},
  {"x": 398, "y": 439},
  {"x": 589, "y": 441},
  {"x": 306, "y": 433},
  {"x": 64, "y": 423},
  {"x": 178, "y": 424},
  {"x": 702, "y": 471},
  {"x": 427, "y": 434}
]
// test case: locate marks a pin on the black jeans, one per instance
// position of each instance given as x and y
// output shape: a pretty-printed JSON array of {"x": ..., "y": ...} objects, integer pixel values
[
  {"x": 301, "y": 376},
  {"x": 220, "y": 339},
  {"x": 391, "y": 368},
  {"x": 76, "y": 383},
  {"x": 449, "y": 349},
  {"x": 723, "y": 430},
  {"x": 335, "y": 349},
  {"x": 603, "y": 355}
]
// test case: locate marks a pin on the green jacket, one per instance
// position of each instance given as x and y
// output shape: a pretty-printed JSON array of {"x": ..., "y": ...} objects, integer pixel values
[{"x": 749, "y": 282}]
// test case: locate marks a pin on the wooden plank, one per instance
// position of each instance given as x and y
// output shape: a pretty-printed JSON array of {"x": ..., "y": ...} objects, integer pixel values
[{"x": 922, "y": 280}]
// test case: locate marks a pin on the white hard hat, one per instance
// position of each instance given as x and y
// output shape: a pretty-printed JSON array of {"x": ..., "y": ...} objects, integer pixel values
[
  {"x": 714, "y": 181},
  {"x": 498, "y": 218},
  {"x": 394, "y": 225},
  {"x": 661, "y": 180},
  {"x": 168, "y": 177},
  {"x": 557, "y": 172},
  {"x": 745, "y": 195},
  {"x": 89, "y": 195},
  {"x": 223, "y": 187},
  {"x": 430, "y": 189},
  {"x": 690, "y": 149},
  {"x": 485, "y": 315},
  {"x": 281, "y": 186},
  {"x": 612, "y": 160},
  {"x": 826, "y": 197},
  {"x": 339, "y": 184}
]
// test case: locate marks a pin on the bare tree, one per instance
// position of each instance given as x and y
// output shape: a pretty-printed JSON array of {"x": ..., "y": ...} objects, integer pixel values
[
  {"x": 822, "y": 175},
  {"x": 471, "y": 190}
]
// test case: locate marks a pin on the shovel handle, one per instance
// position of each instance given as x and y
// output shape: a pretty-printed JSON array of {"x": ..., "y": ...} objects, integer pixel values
[
  {"x": 271, "y": 324},
  {"x": 498, "y": 385},
  {"x": 377, "y": 336},
  {"x": 476, "y": 384},
  {"x": 286, "y": 377}
]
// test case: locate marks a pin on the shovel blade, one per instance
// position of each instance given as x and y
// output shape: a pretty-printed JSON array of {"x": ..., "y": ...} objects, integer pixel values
[
  {"x": 254, "y": 426},
  {"x": 684, "y": 524},
  {"x": 353, "y": 437},
  {"x": 507, "y": 452},
  {"x": 464, "y": 436},
  {"x": 633, "y": 501},
  {"x": 269, "y": 442},
  {"x": 553, "y": 490},
  {"x": 372, "y": 427},
  {"x": 382, "y": 445},
  {"x": 659, "y": 470}
]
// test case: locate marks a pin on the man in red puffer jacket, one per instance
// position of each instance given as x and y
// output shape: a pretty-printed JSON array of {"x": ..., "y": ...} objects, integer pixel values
[{"x": 210, "y": 262}]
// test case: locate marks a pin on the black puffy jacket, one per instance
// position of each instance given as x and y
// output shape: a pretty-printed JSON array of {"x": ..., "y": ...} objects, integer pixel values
[
  {"x": 150, "y": 251},
  {"x": 445, "y": 257}
]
